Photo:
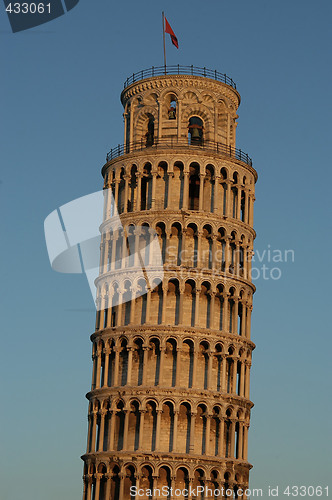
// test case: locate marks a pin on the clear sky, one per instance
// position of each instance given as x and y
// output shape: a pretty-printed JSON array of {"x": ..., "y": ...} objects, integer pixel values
[{"x": 60, "y": 114}]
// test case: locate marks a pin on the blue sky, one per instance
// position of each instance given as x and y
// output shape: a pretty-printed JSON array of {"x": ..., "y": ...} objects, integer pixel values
[{"x": 60, "y": 114}]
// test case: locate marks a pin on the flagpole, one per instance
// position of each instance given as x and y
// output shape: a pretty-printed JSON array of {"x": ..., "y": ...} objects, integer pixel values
[{"x": 163, "y": 16}]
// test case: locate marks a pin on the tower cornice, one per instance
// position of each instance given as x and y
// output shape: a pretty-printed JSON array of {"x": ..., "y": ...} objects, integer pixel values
[{"x": 181, "y": 82}]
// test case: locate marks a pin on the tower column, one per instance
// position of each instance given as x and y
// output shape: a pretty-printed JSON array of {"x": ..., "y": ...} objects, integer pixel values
[
  {"x": 125, "y": 207},
  {"x": 158, "y": 428},
  {"x": 139, "y": 190},
  {"x": 108, "y": 487},
  {"x": 170, "y": 177},
  {"x": 246, "y": 206},
  {"x": 130, "y": 364},
  {"x": 198, "y": 292},
  {"x": 141, "y": 430},
  {"x": 234, "y": 375},
  {"x": 88, "y": 487},
  {"x": 223, "y": 374},
  {"x": 192, "y": 431},
  {"x": 148, "y": 305},
  {"x": 245, "y": 441},
  {"x": 175, "y": 432},
  {"x": 207, "y": 434},
  {"x": 181, "y": 290},
  {"x": 133, "y": 305},
  {"x": 247, "y": 381},
  {"x": 101, "y": 429},
  {"x": 242, "y": 375},
  {"x": 185, "y": 189},
  {"x": 154, "y": 183},
  {"x": 125, "y": 430},
  {"x": 212, "y": 310},
  {"x": 216, "y": 192},
  {"x": 109, "y": 312},
  {"x": 194, "y": 367},
  {"x": 178, "y": 366},
  {"x": 145, "y": 356},
  {"x": 238, "y": 205},
  {"x": 201, "y": 191},
  {"x": 98, "y": 370},
  {"x": 106, "y": 366},
  {"x": 131, "y": 126},
  {"x": 94, "y": 431},
  {"x": 240, "y": 442},
  {"x": 116, "y": 195},
  {"x": 164, "y": 305},
  {"x": 111, "y": 423},
  {"x": 221, "y": 451},
  {"x": 161, "y": 365},
  {"x": 232, "y": 438},
  {"x": 89, "y": 433},
  {"x": 97, "y": 491},
  {"x": 209, "y": 374},
  {"x": 236, "y": 315},
  {"x": 225, "y": 318},
  {"x": 116, "y": 349}
]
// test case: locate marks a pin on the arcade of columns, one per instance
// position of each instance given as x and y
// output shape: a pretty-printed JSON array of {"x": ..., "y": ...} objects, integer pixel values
[{"x": 169, "y": 403}]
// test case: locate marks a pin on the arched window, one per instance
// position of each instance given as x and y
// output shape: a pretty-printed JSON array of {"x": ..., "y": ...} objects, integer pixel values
[
  {"x": 149, "y": 136},
  {"x": 194, "y": 182},
  {"x": 196, "y": 130},
  {"x": 146, "y": 187},
  {"x": 172, "y": 110}
]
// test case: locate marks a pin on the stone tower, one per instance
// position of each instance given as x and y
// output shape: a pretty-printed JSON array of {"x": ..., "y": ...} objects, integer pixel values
[{"x": 169, "y": 404}]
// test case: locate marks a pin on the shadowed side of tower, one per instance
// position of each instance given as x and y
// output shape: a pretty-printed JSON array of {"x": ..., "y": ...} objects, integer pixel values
[{"x": 169, "y": 405}]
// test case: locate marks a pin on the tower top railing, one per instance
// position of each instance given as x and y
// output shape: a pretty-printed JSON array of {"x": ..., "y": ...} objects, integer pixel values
[
  {"x": 179, "y": 70},
  {"x": 174, "y": 142}
]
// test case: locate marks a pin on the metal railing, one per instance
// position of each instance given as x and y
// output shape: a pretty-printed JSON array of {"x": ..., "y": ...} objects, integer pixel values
[
  {"x": 179, "y": 70},
  {"x": 174, "y": 142}
]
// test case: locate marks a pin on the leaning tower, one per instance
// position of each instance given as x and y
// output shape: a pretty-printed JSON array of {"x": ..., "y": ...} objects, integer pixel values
[{"x": 169, "y": 405}]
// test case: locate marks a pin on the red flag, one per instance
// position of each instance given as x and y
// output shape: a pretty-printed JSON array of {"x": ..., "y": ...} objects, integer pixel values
[{"x": 169, "y": 30}]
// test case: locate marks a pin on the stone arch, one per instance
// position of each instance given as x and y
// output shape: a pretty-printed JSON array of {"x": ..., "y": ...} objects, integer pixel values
[
  {"x": 176, "y": 187},
  {"x": 187, "y": 362},
  {"x": 162, "y": 186},
  {"x": 194, "y": 186},
  {"x": 217, "y": 361},
  {"x": 173, "y": 302},
  {"x": 184, "y": 428},
  {"x": 175, "y": 244},
  {"x": 146, "y": 479},
  {"x": 150, "y": 424},
  {"x": 164, "y": 477},
  {"x": 153, "y": 361},
  {"x": 119, "y": 425},
  {"x": 167, "y": 426},
  {"x": 191, "y": 245},
  {"x": 133, "y": 424},
  {"x": 205, "y": 304},
  {"x": 170, "y": 362},
  {"x": 182, "y": 479},
  {"x": 209, "y": 188},
  {"x": 200, "y": 429},
  {"x": 137, "y": 361},
  {"x": 199, "y": 477},
  {"x": 207, "y": 247},
  {"x": 141, "y": 121},
  {"x": 203, "y": 364}
]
